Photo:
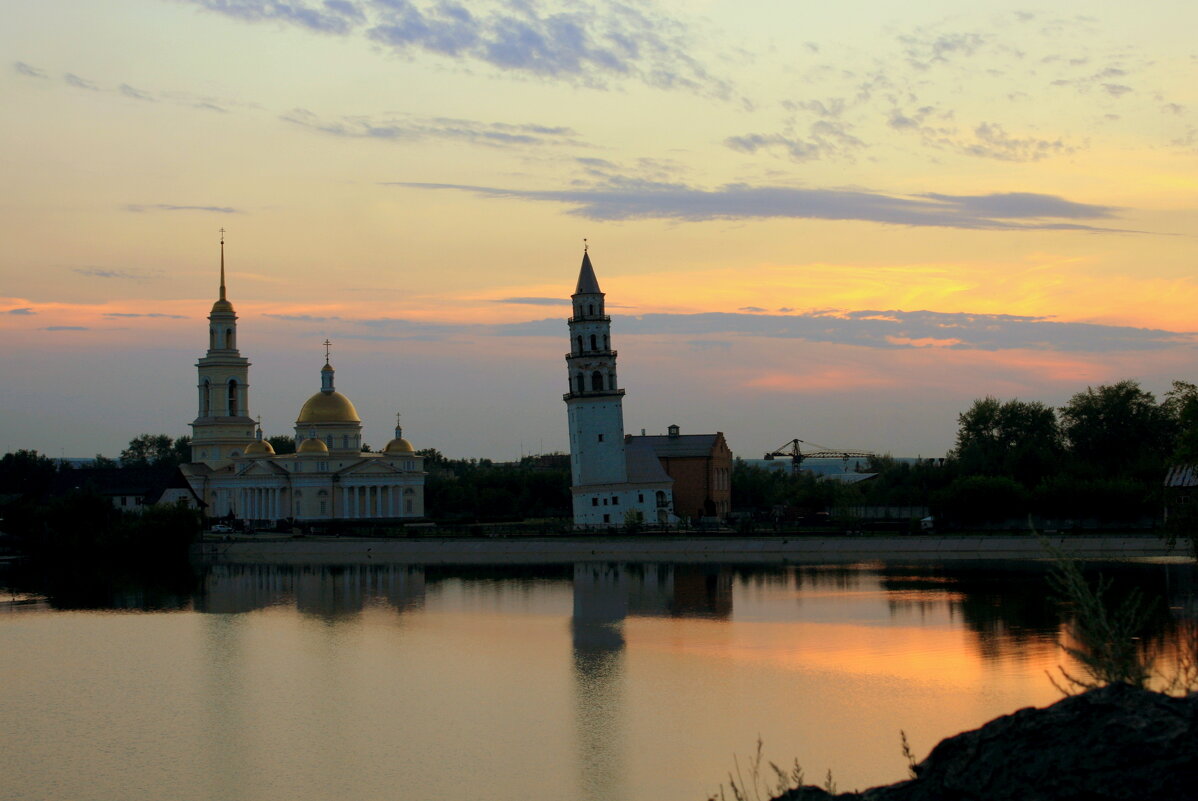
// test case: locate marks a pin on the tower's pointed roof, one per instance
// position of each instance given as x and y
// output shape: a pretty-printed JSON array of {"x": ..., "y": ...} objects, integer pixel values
[{"x": 588, "y": 284}]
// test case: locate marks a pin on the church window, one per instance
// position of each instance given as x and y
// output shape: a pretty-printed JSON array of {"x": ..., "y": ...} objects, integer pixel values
[
  {"x": 229, "y": 338},
  {"x": 579, "y": 338},
  {"x": 597, "y": 381},
  {"x": 582, "y": 383},
  {"x": 605, "y": 345},
  {"x": 329, "y": 440},
  {"x": 345, "y": 440},
  {"x": 594, "y": 344},
  {"x": 206, "y": 398},
  {"x": 594, "y": 501},
  {"x": 233, "y": 397},
  {"x": 591, "y": 308},
  {"x": 615, "y": 500},
  {"x": 640, "y": 497},
  {"x": 661, "y": 498},
  {"x": 611, "y": 380},
  {"x": 211, "y": 339},
  {"x": 324, "y": 506},
  {"x": 407, "y": 507},
  {"x": 322, "y": 466}
]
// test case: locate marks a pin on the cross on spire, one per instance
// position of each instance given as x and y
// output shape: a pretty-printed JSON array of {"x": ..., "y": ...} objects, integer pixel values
[
  {"x": 327, "y": 346},
  {"x": 584, "y": 243}
]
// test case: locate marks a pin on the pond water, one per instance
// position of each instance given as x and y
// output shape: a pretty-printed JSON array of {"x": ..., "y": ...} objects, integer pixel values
[{"x": 608, "y": 681}]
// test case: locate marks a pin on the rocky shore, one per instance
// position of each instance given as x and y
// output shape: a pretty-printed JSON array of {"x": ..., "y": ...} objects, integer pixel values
[{"x": 1117, "y": 743}]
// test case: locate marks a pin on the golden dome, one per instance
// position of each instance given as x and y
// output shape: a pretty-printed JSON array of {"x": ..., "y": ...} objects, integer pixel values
[
  {"x": 259, "y": 447},
  {"x": 222, "y": 305},
  {"x": 399, "y": 445},
  {"x": 328, "y": 407},
  {"x": 312, "y": 445}
]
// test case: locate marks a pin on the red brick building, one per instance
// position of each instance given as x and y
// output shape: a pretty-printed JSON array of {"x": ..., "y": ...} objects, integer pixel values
[{"x": 701, "y": 466}]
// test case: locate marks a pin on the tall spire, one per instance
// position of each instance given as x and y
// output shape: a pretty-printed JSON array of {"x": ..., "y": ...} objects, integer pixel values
[
  {"x": 588, "y": 284},
  {"x": 326, "y": 372},
  {"x": 222, "y": 264}
]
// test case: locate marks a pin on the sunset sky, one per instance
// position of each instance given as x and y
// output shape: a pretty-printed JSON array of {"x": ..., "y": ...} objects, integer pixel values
[{"x": 837, "y": 221}]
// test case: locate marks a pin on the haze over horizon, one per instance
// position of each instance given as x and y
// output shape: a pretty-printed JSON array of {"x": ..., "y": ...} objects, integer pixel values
[{"x": 842, "y": 224}]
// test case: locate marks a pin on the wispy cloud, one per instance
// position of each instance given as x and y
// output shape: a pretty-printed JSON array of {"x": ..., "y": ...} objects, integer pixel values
[
  {"x": 893, "y": 329},
  {"x": 146, "y": 314},
  {"x": 590, "y": 42},
  {"x": 136, "y": 94},
  {"x": 825, "y": 138},
  {"x": 104, "y": 272},
  {"x": 139, "y": 208},
  {"x": 651, "y": 200},
  {"x": 66, "y": 328},
  {"x": 21, "y": 310},
  {"x": 80, "y": 83},
  {"x": 535, "y": 301},
  {"x": 876, "y": 329},
  {"x": 405, "y": 128},
  {"x": 28, "y": 70}
]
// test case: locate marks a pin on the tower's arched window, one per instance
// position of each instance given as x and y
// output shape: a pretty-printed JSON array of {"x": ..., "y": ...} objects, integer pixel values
[
  {"x": 205, "y": 398},
  {"x": 594, "y": 343},
  {"x": 580, "y": 343},
  {"x": 590, "y": 308},
  {"x": 605, "y": 345},
  {"x": 597, "y": 381},
  {"x": 611, "y": 380},
  {"x": 211, "y": 339},
  {"x": 661, "y": 498},
  {"x": 582, "y": 383},
  {"x": 229, "y": 338},
  {"x": 233, "y": 399}
]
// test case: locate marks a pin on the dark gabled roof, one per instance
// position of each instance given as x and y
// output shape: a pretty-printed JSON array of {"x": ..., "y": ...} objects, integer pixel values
[
  {"x": 588, "y": 284},
  {"x": 642, "y": 464},
  {"x": 680, "y": 446}
]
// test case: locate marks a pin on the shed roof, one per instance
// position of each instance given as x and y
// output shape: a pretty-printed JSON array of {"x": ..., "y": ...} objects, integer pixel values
[
  {"x": 643, "y": 465},
  {"x": 679, "y": 446}
]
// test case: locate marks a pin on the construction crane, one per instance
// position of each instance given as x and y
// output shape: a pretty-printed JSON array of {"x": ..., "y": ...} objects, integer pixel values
[{"x": 797, "y": 456}]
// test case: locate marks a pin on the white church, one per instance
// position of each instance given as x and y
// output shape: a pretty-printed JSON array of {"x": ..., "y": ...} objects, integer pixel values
[
  {"x": 613, "y": 482},
  {"x": 236, "y": 473}
]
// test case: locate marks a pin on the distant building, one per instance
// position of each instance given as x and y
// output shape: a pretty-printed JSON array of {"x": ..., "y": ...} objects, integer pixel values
[
  {"x": 1181, "y": 493},
  {"x": 237, "y": 474},
  {"x": 612, "y": 482},
  {"x": 701, "y": 466}
]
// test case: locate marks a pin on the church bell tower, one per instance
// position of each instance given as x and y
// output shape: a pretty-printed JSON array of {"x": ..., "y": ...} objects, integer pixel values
[
  {"x": 594, "y": 402},
  {"x": 223, "y": 426}
]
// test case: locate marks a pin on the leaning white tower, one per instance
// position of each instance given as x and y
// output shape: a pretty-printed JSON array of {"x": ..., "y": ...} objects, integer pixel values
[{"x": 595, "y": 402}]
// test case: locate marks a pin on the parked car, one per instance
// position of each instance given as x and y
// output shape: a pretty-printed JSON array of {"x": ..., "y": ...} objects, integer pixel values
[{"x": 221, "y": 528}]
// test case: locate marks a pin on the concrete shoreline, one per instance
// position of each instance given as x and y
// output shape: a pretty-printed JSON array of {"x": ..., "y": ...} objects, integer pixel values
[{"x": 765, "y": 550}]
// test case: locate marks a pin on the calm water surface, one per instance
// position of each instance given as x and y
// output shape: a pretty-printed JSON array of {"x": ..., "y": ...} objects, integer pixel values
[{"x": 609, "y": 681}]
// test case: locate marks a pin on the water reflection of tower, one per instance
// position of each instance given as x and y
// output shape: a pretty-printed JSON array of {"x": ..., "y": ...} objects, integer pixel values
[
  {"x": 604, "y": 595},
  {"x": 600, "y": 606}
]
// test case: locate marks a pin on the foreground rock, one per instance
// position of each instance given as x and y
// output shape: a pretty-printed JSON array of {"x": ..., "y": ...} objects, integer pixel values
[{"x": 1113, "y": 743}]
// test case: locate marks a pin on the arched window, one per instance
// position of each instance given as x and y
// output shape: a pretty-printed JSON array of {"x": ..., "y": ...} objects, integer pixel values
[
  {"x": 582, "y": 383},
  {"x": 580, "y": 343},
  {"x": 661, "y": 498},
  {"x": 205, "y": 398},
  {"x": 590, "y": 308},
  {"x": 594, "y": 343},
  {"x": 211, "y": 339},
  {"x": 233, "y": 397},
  {"x": 229, "y": 338},
  {"x": 611, "y": 380},
  {"x": 345, "y": 440},
  {"x": 605, "y": 345},
  {"x": 597, "y": 381}
]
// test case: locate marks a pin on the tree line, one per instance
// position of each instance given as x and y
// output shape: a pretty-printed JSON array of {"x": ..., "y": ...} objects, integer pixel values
[{"x": 1100, "y": 458}]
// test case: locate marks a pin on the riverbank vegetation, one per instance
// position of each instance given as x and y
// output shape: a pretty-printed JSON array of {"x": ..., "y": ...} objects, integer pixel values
[{"x": 1099, "y": 460}]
